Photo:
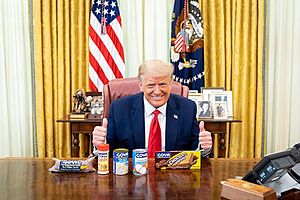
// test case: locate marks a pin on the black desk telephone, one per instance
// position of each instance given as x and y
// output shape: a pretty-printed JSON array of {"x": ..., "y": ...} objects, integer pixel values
[{"x": 280, "y": 171}]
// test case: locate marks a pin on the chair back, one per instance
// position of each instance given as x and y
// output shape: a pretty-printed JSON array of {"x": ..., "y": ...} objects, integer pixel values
[{"x": 118, "y": 88}]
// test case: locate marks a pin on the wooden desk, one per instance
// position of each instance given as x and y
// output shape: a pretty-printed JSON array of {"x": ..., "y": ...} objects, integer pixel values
[
  {"x": 82, "y": 126},
  {"x": 30, "y": 179},
  {"x": 218, "y": 128}
]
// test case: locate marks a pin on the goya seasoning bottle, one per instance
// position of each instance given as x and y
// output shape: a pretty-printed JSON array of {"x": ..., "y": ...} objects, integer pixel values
[{"x": 103, "y": 159}]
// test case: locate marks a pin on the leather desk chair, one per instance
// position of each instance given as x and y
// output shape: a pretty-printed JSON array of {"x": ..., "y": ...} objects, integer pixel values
[{"x": 118, "y": 88}]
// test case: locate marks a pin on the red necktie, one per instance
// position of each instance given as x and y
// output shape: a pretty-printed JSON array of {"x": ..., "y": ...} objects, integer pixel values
[{"x": 154, "y": 142}]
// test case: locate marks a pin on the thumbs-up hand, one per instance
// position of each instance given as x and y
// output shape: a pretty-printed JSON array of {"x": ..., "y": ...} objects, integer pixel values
[
  {"x": 205, "y": 139},
  {"x": 99, "y": 133}
]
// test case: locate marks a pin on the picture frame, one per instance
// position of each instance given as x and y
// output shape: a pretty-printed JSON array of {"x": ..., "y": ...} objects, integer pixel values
[
  {"x": 204, "y": 108},
  {"x": 208, "y": 91},
  {"x": 193, "y": 91},
  {"x": 196, "y": 97},
  {"x": 225, "y": 96},
  {"x": 96, "y": 105},
  {"x": 220, "y": 111}
]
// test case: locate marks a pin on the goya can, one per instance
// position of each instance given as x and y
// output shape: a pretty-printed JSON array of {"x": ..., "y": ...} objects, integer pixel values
[
  {"x": 120, "y": 161},
  {"x": 139, "y": 162}
]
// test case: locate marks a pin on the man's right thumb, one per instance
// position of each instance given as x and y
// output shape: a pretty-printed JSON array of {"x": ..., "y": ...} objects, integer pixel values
[{"x": 104, "y": 123}]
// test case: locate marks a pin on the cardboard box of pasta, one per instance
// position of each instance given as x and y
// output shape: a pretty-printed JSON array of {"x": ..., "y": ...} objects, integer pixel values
[{"x": 178, "y": 160}]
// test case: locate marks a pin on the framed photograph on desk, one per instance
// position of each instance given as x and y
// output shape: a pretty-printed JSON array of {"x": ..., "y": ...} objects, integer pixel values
[
  {"x": 220, "y": 110},
  {"x": 207, "y": 92},
  {"x": 95, "y": 105},
  {"x": 225, "y": 96},
  {"x": 204, "y": 108},
  {"x": 196, "y": 97}
]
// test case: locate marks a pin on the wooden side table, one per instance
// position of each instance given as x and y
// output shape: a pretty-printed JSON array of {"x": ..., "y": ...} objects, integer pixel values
[
  {"x": 218, "y": 129},
  {"x": 80, "y": 126}
]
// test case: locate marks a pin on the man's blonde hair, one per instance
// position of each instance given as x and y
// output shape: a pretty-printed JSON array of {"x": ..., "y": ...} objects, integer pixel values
[{"x": 155, "y": 68}]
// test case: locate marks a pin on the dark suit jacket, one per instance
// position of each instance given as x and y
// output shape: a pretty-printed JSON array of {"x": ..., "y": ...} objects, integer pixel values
[{"x": 126, "y": 127}]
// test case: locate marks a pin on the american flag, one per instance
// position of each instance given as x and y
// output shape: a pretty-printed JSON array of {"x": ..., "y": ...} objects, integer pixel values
[
  {"x": 187, "y": 44},
  {"x": 181, "y": 43},
  {"x": 106, "y": 54}
]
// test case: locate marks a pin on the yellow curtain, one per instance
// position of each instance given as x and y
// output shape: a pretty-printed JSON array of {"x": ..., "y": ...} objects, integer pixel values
[
  {"x": 234, "y": 31},
  {"x": 61, "y": 60}
]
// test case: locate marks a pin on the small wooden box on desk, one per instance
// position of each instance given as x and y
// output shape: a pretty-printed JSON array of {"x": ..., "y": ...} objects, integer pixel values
[
  {"x": 81, "y": 126},
  {"x": 218, "y": 129},
  {"x": 235, "y": 189}
]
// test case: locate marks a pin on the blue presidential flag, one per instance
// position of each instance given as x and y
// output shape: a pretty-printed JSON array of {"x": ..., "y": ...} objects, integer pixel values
[{"x": 187, "y": 44}]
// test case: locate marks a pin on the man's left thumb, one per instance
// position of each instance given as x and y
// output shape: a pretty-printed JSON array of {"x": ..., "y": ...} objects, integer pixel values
[{"x": 201, "y": 126}]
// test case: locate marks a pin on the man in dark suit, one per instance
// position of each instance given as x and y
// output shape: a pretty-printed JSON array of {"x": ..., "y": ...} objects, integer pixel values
[{"x": 130, "y": 118}]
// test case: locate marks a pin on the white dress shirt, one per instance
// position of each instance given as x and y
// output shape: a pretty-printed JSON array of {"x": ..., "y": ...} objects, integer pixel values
[{"x": 148, "y": 114}]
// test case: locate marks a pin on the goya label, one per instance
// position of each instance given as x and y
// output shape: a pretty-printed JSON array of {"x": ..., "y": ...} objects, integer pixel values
[
  {"x": 71, "y": 166},
  {"x": 120, "y": 161},
  {"x": 139, "y": 162}
]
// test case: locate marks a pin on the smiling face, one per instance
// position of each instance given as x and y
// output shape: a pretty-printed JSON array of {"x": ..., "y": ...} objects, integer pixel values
[
  {"x": 156, "y": 81},
  {"x": 156, "y": 89}
]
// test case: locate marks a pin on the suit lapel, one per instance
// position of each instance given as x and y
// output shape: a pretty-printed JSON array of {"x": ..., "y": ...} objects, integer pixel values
[
  {"x": 171, "y": 124},
  {"x": 137, "y": 122}
]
